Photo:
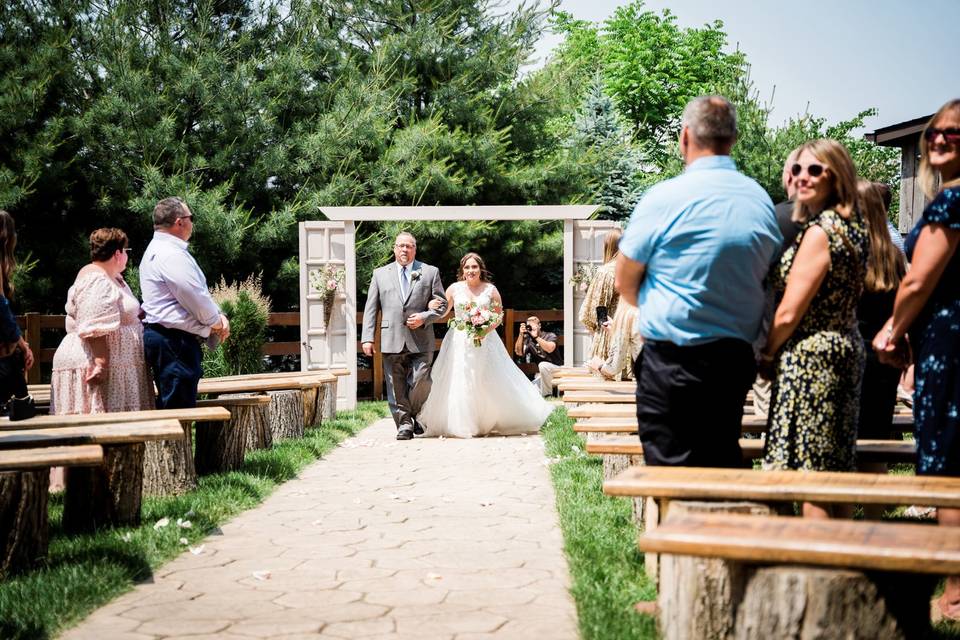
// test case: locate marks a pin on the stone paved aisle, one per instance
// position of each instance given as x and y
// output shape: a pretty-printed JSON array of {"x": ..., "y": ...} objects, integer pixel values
[{"x": 426, "y": 539}]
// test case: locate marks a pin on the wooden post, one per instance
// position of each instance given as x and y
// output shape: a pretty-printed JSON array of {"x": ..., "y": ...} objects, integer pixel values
[
  {"x": 32, "y": 336},
  {"x": 509, "y": 334}
]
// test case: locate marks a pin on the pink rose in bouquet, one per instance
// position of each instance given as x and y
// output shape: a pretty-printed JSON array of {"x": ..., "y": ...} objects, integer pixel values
[{"x": 476, "y": 320}]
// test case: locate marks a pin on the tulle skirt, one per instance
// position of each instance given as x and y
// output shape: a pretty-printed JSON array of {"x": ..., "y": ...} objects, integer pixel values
[{"x": 478, "y": 391}]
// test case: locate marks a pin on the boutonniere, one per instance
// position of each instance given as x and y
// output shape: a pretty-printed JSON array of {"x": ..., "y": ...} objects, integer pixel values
[{"x": 415, "y": 275}]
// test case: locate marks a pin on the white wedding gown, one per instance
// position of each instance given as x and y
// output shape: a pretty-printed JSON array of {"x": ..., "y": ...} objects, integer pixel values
[{"x": 478, "y": 391}]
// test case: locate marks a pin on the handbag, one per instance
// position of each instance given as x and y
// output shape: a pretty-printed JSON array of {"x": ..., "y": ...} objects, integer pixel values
[{"x": 22, "y": 408}]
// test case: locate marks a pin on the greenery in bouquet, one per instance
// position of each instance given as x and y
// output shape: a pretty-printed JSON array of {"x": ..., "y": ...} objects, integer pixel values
[
  {"x": 476, "y": 320},
  {"x": 248, "y": 310},
  {"x": 327, "y": 279},
  {"x": 583, "y": 275}
]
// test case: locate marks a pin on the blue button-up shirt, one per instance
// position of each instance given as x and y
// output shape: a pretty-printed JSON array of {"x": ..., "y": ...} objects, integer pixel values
[
  {"x": 707, "y": 239},
  {"x": 174, "y": 288}
]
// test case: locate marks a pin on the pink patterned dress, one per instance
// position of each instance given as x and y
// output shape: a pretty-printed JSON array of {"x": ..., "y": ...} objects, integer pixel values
[{"x": 99, "y": 306}]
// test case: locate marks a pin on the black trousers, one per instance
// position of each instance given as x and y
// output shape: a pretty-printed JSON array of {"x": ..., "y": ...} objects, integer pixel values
[
  {"x": 408, "y": 384},
  {"x": 690, "y": 402},
  {"x": 13, "y": 383}
]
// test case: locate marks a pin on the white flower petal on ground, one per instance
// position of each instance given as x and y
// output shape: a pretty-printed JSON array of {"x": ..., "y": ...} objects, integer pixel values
[
  {"x": 184, "y": 541},
  {"x": 261, "y": 575},
  {"x": 184, "y": 524},
  {"x": 197, "y": 550},
  {"x": 434, "y": 576},
  {"x": 126, "y": 537},
  {"x": 161, "y": 523}
]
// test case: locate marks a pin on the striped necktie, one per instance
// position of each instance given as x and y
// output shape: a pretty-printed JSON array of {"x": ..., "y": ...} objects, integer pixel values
[{"x": 404, "y": 282}]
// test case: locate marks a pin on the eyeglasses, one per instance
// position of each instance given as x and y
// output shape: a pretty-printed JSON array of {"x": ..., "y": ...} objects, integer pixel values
[
  {"x": 813, "y": 170},
  {"x": 190, "y": 217},
  {"x": 127, "y": 251},
  {"x": 405, "y": 246},
  {"x": 951, "y": 134}
]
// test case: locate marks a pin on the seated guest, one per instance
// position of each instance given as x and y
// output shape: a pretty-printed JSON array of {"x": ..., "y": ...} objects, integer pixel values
[
  {"x": 625, "y": 345},
  {"x": 814, "y": 352},
  {"x": 539, "y": 347}
]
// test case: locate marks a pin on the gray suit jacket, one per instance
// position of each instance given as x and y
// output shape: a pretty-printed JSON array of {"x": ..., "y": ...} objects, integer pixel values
[{"x": 384, "y": 296}]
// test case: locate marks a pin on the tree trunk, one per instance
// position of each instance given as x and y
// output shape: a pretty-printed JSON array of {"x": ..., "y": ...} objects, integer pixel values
[
  {"x": 613, "y": 464},
  {"x": 698, "y": 597},
  {"x": 329, "y": 400},
  {"x": 256, "y": 425},
  {"x": 312, "y": 406},
  {"x": 286, "y": 414},
  {"x": 806, "y": 603},
  {"x": 108, "y": 495},
  {"x": 220, "y": 445},
  {"x": 24, "y": 528},
  {"x": 168, "y": 466}
]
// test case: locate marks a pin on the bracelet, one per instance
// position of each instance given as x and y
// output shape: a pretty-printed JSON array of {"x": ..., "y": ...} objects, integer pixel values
[{"x": 766, "y": 357}]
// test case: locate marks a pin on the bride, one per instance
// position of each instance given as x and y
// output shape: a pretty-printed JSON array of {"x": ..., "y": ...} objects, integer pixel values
[{"x": 478, "y": 390}]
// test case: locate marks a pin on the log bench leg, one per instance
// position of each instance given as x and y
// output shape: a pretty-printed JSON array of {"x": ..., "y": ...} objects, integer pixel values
[
  {"x": 286, "y": 414},
  {"x": 220, "y": 446},
  {"x": 312, "y": 406},
  {"x": 24, "y": 528},
  {"x": 330, "y": 400},
  {"x": 168, "y": 468},
  {"x": 698, "y": 597},
  {"x": 107, "y": 495}
]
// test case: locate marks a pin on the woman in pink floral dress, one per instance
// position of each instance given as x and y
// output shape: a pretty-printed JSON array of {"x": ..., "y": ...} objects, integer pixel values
[{"x": 99, "y": 366}]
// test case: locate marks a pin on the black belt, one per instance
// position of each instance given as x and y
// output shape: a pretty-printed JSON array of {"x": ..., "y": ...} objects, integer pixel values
[{"x": 168, "y": 331}]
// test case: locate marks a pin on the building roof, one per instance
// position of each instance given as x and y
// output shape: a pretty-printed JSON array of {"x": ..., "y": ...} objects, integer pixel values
[{"x": 896, "y": 135}]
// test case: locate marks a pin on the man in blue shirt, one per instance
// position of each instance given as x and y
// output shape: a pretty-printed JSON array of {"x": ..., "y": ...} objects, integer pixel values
[{"x": 693, "y": 258}]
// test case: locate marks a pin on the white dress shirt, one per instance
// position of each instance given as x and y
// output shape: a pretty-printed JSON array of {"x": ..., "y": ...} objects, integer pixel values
[{"x": 174, "y": 288}]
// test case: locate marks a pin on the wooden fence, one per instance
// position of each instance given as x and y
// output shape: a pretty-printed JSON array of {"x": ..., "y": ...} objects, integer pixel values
[{"x": 44, "y": 332}]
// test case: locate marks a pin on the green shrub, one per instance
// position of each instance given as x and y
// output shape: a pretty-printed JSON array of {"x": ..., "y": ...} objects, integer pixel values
[{"x": 248, "y": 310}]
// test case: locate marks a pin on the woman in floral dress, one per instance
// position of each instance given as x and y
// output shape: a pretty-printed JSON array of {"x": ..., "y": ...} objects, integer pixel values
[
  {"x": 99, "y": 367},
  {"x": 814, "y": 350}
]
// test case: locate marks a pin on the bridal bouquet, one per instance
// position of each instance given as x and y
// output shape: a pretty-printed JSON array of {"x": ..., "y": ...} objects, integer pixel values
[{"x": 476, "y": 320}]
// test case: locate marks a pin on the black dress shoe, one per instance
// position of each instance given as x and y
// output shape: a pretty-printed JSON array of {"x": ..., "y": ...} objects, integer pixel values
[
  {"x": 405, "y": 434},
  {"x": 417, "y": 428}
]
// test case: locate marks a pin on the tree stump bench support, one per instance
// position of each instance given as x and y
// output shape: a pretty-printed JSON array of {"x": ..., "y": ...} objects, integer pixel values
[
  {"x": 286, "y": 414},
  {"x": 222, "y": 445},
  {"x": 24, "y": 486},
  {"x": 108, "y": 494},
  {"x": 784, "y": 577}
]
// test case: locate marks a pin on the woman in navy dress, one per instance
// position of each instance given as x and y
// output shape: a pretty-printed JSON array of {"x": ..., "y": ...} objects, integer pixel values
[{"x": 927, "y": 310}]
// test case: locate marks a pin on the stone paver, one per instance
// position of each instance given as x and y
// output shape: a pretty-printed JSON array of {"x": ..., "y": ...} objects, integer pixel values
[{"x": 430, "y": 539}]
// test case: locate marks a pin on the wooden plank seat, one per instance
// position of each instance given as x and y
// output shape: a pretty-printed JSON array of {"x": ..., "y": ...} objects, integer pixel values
[
  {"x": 168, "y": 465},
  {"x": 796, "y": 573},
  {"x": 603, "y": 411},
  {"x": 702, "y": 483},
  {"x": 889, "y": 451},
  {"x": 111, "y": 493},
  {"x": 596, "y": 384},
  {"x": 317, "y": 390},
  {"x": 84, "y": 455},
  {"x": 599, "y": 395},
  {"x": 750, "y": 424},
  {"x": 24, "y": 491}
]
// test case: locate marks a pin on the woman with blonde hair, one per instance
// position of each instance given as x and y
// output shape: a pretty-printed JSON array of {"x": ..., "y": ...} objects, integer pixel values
[
  {"x": 814, "y": 352},
  {"x": 602, "y": 293},
  {"x": 927, "y": 309}
]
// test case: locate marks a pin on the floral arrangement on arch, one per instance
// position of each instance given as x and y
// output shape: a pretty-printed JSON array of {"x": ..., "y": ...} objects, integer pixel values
[
  {"x": 583, "y": 275},
  {"x": 327, "y": 280},
  {"x": 475, "y": 319}
]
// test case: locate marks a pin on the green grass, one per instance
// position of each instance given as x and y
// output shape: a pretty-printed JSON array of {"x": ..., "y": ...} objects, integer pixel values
[
  {"x": 600, "y": 541},
  {"x": 84, "y": 572}
]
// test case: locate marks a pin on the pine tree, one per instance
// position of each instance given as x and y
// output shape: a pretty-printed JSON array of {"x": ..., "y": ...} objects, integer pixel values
[{"x": 599, "y": 130}]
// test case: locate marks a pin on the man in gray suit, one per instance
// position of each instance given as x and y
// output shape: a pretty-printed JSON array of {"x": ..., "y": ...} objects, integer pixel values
[{"x": 401, "y": 291}]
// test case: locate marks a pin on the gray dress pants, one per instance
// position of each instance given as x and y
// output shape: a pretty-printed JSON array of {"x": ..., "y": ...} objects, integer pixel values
[{"x": 408, "y": 384}]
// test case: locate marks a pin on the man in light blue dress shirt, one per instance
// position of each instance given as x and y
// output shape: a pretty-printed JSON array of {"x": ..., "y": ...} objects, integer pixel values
[
  {"x": 694, "y": 257},
  {"x": 179, "y": 312}
]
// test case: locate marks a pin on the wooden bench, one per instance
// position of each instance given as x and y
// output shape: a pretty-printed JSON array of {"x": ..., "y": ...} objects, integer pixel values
[
  {"x": 24, "y": 486},
  {"x": 824, "y": 592},
  {"x": 168, "y": 466},
  {"x": 889, "y": 451},
  {"x": 596, "y": 384},
  {"x": 221, "y": 446},
  {"x": 111, "y": 493},
  {"x": 610, "y": 419}
]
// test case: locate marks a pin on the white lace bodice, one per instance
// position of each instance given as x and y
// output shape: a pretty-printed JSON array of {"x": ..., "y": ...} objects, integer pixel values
[{"x": 462, "y": 299}]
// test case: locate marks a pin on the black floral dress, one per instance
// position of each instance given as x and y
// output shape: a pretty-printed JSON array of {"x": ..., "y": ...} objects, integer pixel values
[
  {"x": 815, "y": 398},
  {"x": 935, "y": 338}
]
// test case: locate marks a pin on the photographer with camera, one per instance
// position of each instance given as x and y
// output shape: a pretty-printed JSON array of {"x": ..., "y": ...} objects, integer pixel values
[{"x": 540, "y": 347}]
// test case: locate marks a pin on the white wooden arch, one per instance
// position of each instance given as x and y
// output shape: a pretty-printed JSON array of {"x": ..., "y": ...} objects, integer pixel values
[{"x": 332, "y": 243}]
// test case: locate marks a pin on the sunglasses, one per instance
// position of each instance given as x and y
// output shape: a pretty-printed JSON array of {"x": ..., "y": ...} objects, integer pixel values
[
  {"x": 951, "y": 135},
  {"x": 813, "y": 170}
]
